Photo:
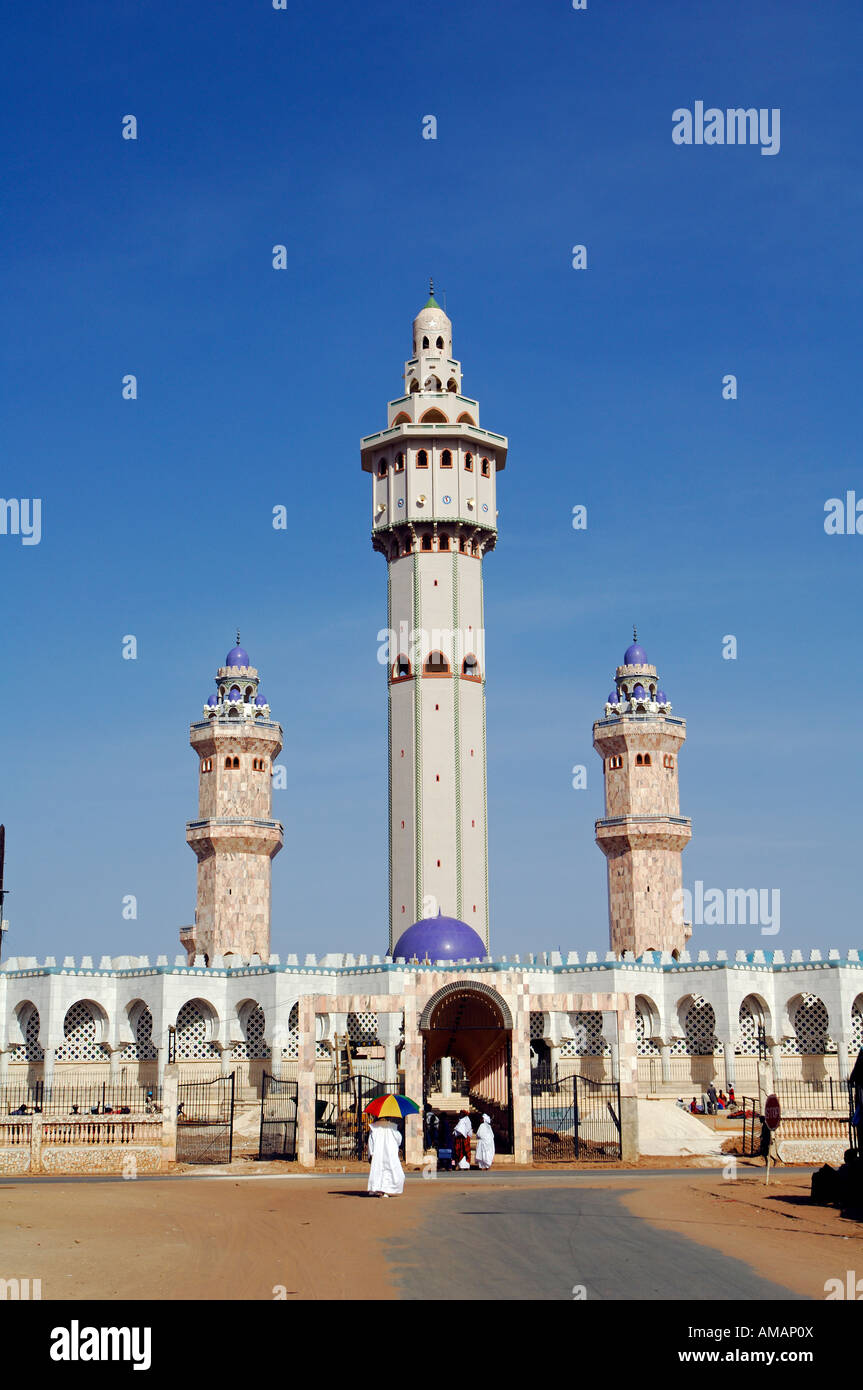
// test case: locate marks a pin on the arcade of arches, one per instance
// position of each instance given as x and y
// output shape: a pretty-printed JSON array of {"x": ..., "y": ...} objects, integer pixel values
[{"x": 471, "y": 1027}]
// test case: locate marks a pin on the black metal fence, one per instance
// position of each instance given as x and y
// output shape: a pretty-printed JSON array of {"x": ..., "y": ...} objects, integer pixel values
[
  {"x": 85, "y": 1098},
  {"x": 751, "y": 1126},
  {"x": 575, "y": 1119},
  {"x": 341, "y": 1128},
  {"x": 817, "y": 1097},
  {"x": 278, "y": 1138},
  {"x": 205, "y": 1121}
]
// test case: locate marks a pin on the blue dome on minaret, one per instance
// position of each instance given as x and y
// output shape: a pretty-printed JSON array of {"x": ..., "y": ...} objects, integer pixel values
[
  {"x": 635, "y": 655},
  {"x": 237, "y": 656}
]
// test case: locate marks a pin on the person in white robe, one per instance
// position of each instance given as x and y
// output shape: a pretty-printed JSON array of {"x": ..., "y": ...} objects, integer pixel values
[
  {"x": 485, "y": 1144},
  {"x": 464, "y": 1129},
  {"x": 386, "y": 1177}
]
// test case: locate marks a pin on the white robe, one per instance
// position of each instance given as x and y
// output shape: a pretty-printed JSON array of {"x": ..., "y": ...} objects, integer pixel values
[
  {"x": 485, "y": 1146},
  {"x": 385, "y": 1173}
]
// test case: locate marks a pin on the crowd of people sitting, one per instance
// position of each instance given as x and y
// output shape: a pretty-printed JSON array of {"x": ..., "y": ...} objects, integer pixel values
[{"x": 712, "y": 1102}]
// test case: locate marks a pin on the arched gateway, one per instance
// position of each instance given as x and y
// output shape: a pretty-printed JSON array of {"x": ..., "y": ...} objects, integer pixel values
[{"x": 469, "y": 1021}]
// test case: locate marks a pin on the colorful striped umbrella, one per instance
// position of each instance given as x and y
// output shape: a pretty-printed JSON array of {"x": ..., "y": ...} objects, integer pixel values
[{"x": 391, "y": 1108}]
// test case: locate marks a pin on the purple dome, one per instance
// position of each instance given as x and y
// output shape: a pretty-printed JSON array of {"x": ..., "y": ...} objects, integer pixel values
[
  {"x": 635, "y": 655},
  {"x": 639, "y": 692},
  {"x": 613, "y": 698},
  {"x": 234, "y": 693},
  {"x": 213, "y": 701},
  {"x": 260, "y": 700},
  {"x": 440, "y": 938},
  {"x": 661, "y": 697},
  {"x": 237, "y": 656}
]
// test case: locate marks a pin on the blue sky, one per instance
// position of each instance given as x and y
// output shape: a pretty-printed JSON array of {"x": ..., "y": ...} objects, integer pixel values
[{"x": 705, "y": 516}]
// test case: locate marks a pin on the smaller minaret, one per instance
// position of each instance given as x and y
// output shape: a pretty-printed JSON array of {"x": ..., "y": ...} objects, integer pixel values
[
  {"x": 642, "y": 834},
  {"x": 234, "y": 837}
]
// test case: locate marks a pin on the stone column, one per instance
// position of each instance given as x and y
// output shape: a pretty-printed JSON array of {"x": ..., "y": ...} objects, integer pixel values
[
  {"x": 775, "y": 1063},
  {"x": 4, "y": 1068},
  {"x": 36, "y": 1143},
  {"x": 225, "y": 1059},
  {"x": 841, "y": 1041},
  {"x": 727, "y": 1041},
  {"x": 276, "y": 1060},
  {"x": 48, "y": 1067},
  {"x": 554, "y": 1059},
  {"x": 627, "y": 1064},
  {"x": 664, "y": 1059},
  {"x": 389, "y": 1035},
  {"x": 170, "y": 1091},
  {"x": 306, "y": 1083},
  {"x": 114, "y": 1057},
  {"x": 611, "y": 1030},
  {"x": 522, "y": 1122},
  {"x": 412, "y": 1061},
  {"x": 446, "y": 1076}
]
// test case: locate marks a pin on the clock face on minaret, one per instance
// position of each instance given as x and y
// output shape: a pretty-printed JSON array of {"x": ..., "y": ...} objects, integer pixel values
[{"x": 434, "y": 517}]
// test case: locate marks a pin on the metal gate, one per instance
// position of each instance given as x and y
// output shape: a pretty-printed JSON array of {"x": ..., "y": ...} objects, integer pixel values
[
  {"x": 205, "y": 1121},
  {"x": 340, "y": 1125},
  {"x": 575, "y": 1119},
  {"x": 278, "y": 1118}
]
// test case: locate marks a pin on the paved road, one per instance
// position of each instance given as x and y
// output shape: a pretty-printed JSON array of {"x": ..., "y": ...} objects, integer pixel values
[{"x": 537, "y": 1243}]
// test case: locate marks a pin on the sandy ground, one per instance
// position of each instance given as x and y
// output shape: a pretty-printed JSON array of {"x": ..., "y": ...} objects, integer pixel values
[
  {"x": 774, "y": 1229},
  {"x": 235, "y": 1239}
]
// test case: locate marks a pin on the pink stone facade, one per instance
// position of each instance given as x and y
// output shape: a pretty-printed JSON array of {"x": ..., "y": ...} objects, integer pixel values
[
  {"x": 234, "y": 838},
  {"x": 642, "y": 833},
  {"x": 518, "y": 996}
]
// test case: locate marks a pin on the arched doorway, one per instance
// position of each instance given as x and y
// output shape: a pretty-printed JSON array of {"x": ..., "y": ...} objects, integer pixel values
[{"x": 470, "y": 1022}]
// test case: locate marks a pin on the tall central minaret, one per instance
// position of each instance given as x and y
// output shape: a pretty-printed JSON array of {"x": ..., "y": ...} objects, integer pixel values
[{"x": 434, "y": 517}]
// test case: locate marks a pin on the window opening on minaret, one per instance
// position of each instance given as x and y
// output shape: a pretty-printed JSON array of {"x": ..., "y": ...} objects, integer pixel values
[
  {"x": 452, "y": 385},
  {"x": 439, "y": 344},
  {"x": 401, "y": 669},
  {"x": 436, "y": 664},
  {"x": 468, "y": 463},
  {"x": 382, "y": 468},
  {"x": 426, "y": 542},
  {"x": 399, "y": 464},
  {"x": 446, "y": 459},
  {"x": 485, "y": 468},
  {"x": 443, "y": 542},
  {"x": 465, "y": 419},
  {"x": 422, "y": 459},
  {"x": 470, "y": 667},
  {"x": 425, "y": 342}
]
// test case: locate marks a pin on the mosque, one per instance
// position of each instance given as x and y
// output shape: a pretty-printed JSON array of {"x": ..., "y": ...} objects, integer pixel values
[{"x": 646, "y": 1015}]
